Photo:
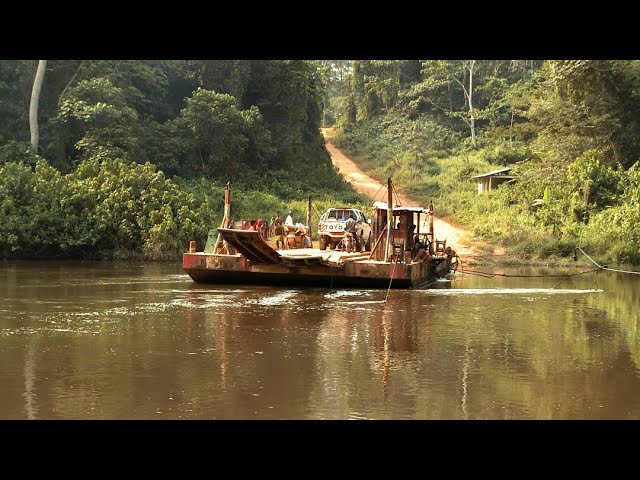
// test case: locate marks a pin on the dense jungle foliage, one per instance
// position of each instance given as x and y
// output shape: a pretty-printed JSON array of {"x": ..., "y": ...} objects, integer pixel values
[
  {"x": 132, "y": 156},
  {"x": 568, "y": 130}
]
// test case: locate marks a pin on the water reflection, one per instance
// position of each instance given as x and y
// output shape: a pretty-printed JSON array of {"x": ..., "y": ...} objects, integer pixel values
[
  {"x": 30, "y": 397},
  {"x": 102, "y": 340},
  {"x": 465, "y": 370}
]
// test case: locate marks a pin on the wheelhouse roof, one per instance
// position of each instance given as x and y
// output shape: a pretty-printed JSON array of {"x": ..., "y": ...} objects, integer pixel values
[{"x": 399, "y": 208}]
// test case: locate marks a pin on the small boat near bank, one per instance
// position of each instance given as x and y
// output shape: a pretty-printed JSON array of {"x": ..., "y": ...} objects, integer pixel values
[{"x": 401, "y": 257}]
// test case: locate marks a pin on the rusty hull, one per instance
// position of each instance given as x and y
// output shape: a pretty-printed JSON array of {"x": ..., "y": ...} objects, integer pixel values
[{"x": 237, "y": 269}]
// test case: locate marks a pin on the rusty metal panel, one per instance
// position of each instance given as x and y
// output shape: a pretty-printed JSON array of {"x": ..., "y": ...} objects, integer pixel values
[
  {"x": 378, "y": 270},
  {"x": 190, "y": 260},
  {"x": 250, "y": 244}
]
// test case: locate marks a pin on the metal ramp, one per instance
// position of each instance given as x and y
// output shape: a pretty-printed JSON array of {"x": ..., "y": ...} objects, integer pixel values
[{"x": 250, "y": 244}]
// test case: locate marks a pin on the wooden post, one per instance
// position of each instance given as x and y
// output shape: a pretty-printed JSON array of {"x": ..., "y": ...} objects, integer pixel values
[
  {"x": 227, "y": 213},
  {"x": 431, "y": 221},
  {"x": 389, "y": 218},
  {"x": 309, "y": 220},
  {"x": 375, "y": 245}
]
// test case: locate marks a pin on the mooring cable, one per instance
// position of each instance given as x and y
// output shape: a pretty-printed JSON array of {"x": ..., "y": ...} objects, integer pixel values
[
  {"x": 491, "y": 275},
  {"x": 393, "y": 188},
  {"x": 564, "y": 276},
  {"x": 605, "y": 267},
  {"x": 376, "y": 195},
  {"x": 392, "y": 274},
  {"x": 574, "y": 274}
]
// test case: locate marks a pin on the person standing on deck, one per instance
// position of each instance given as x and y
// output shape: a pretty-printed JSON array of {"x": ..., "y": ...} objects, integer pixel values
[
  {"x": 270, "y": 228},
  {"x": 278, "y": 230},
  {"x": 259, "y": 226},
  {"x": 289, "y": 228}
]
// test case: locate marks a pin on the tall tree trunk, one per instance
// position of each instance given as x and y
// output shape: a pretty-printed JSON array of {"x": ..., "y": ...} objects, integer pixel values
[
  {"x": 511, "y": 130},
  {"x": 33, "y": 107},
  {"x": 464, "y": 81},
  {"x": 471, "y": 113},
  {"x": 64, "y": 90},
  {"x": 468, "y": 65}
]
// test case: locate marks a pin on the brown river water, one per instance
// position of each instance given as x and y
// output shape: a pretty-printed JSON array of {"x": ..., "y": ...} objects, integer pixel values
[{"x": 141, "y": 341}]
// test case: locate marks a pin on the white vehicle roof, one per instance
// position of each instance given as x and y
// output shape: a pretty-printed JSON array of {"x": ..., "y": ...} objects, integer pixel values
[{"x": 342, "y": 208}]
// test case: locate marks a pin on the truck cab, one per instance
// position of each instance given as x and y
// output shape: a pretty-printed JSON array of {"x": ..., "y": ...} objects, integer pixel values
[{"x": 331, "y": 227}]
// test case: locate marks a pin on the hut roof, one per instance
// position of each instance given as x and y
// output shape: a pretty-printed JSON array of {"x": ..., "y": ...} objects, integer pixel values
[{"x": 495, "y": 172}]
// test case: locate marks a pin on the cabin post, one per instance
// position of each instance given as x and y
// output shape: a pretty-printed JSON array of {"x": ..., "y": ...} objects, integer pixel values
[
  {"x": 227, "y": 204},
  {"x": 431, "y": 222},
  {"x": 431, "y": 227},
  {"x": 227, "y": 213},
  {"x": 309, "y": 220},
  {"x": 389, "y": 218}
]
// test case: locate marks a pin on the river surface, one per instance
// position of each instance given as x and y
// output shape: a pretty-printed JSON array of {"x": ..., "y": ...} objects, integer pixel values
[{"x": 142, "y": 341}]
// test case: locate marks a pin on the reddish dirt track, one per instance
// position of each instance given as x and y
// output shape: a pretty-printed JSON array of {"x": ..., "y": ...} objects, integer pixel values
[{"x": 374, "y": 190}]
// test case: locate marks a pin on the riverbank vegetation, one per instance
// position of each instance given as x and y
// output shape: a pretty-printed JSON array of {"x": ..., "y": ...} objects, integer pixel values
[
  {"x": 130, "y": 158},
  {"x": 568, "y": 130}
]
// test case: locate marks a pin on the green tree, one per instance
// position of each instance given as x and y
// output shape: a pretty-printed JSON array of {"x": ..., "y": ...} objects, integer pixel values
[
  {"x": 584, "y": 104},
  {"x": 214, "y": 126},
  {"x": 103, "y": 124}
]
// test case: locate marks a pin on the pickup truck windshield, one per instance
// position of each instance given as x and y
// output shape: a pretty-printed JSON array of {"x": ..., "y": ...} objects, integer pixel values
[
  {"x": 338, "y": 214},
  {"x": 341, "y": 215}
]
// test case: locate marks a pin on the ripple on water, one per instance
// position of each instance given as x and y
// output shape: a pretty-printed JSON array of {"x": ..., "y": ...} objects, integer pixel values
[
  {"x": 201, "y": 302},
  {"x": 506, "y": 291},
  {"x": 348, "y": 293},
  {"x": 280, "y": 298}
]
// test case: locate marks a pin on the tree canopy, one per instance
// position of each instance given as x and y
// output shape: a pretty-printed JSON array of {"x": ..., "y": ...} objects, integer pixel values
[
  {"x": 565, "y": 127},
  {"x": 131, "y": 156}
]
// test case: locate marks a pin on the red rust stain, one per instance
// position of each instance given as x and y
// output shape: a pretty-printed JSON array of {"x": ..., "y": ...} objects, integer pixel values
[
  {"x": 191, "y": 261},
  {"x": 380, "y": 270}
]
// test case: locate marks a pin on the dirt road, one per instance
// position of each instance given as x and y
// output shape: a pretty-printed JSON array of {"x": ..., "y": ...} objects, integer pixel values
[{"x": 376, "y": 191}]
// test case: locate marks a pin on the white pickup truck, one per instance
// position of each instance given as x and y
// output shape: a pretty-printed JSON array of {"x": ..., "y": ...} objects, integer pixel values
[{"x": 331, "y": 227}]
